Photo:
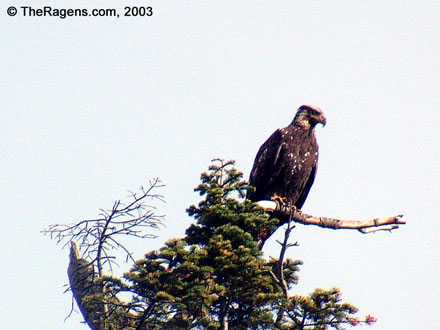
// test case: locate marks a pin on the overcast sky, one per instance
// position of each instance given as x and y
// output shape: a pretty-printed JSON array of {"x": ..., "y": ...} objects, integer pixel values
[{"x": 92, "y": 107}]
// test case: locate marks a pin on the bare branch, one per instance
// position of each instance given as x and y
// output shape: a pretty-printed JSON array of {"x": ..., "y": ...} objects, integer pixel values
[
  {"x": 97, "y": 236},
  {"x": 286, "y": 213},
  {"x": 280, "y": 279},
  {"x": 98, "y": 239},
  {"x": 284, "y": 246}
]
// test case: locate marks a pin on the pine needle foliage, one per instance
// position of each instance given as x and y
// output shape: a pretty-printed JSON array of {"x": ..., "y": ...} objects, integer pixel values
[{"x": 216, "y": 277}]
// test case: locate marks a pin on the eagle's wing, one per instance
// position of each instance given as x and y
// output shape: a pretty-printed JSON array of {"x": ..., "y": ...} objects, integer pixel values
[
  {"x": 305, "y": 191},
  {"x": 265, "y": 164}
]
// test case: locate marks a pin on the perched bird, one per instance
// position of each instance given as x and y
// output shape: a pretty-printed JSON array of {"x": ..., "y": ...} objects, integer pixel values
[
  {"x": 82, "y": 274},
  {"x": 285, "y": 166}
]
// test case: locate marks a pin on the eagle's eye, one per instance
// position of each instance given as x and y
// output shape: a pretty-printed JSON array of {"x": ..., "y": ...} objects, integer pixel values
[{"x": 316, "y": 117}]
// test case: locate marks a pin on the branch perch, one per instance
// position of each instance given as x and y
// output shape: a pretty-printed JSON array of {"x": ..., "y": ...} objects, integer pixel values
[{"x": 288, "y": 213}]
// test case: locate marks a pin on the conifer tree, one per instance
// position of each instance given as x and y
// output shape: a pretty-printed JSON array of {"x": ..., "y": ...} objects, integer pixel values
[{"x": 217, "y": 277}]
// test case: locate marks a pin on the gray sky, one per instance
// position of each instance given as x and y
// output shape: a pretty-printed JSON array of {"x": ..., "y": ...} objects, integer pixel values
[{"x": 92, "y": 107}]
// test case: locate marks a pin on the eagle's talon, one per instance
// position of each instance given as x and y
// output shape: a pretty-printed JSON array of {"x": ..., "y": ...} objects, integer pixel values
[{"x": 281, "y": 200}]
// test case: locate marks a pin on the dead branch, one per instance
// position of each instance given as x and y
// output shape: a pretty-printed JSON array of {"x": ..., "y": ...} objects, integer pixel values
[
  {"x": 96, "y": 237},
  {"x": 280, "y": 279},
  {"x": 288, "y": 213},
  {"x": 284, "y": 246},
  {"x": 99, "y": 239}
]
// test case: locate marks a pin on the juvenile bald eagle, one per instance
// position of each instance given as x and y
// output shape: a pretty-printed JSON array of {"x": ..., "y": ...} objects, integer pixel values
[{"x": 286, "y": 164}]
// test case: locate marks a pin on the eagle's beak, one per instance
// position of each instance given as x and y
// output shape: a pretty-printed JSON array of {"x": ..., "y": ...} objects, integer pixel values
[{"x": 320, "y": 119}]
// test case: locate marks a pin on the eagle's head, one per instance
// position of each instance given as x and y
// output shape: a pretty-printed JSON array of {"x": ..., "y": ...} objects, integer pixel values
[{"x": 308, "y": 116}]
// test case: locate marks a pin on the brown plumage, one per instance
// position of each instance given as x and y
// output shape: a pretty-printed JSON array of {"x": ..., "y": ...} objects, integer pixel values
[{"x": 286, "y": 164}]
